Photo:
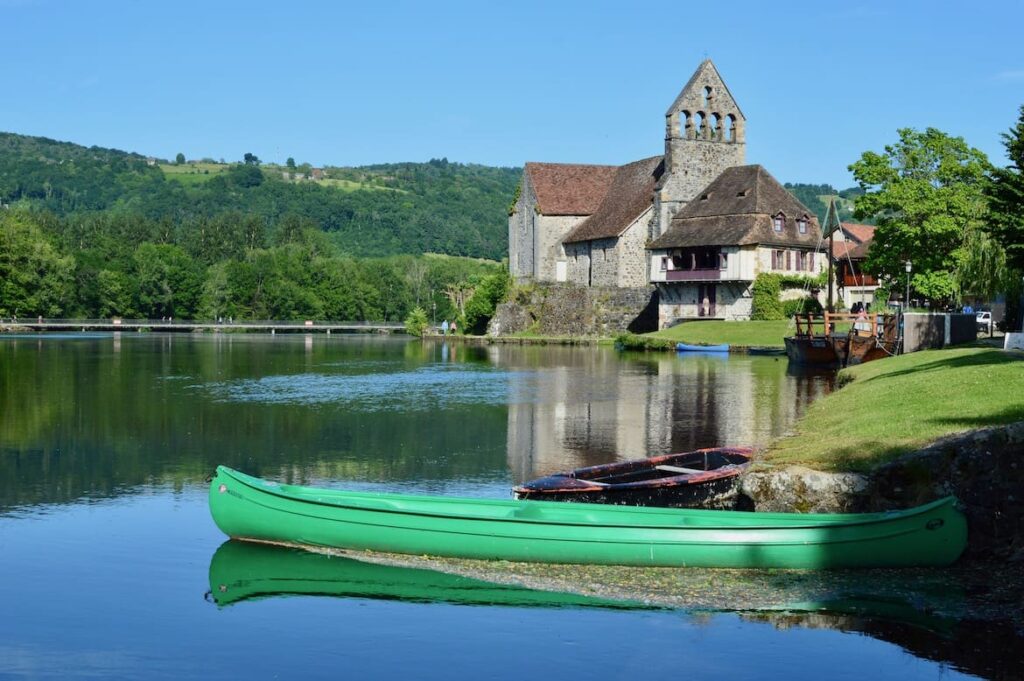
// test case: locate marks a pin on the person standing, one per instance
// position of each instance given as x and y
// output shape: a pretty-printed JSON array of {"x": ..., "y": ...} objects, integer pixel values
[
  {"x": 444, "y": 328},
  {"x": 453, "y": 327}
]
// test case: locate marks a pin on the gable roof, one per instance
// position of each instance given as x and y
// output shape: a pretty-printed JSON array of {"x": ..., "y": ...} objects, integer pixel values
[
  {"x": 630, "y": 194},
  {"x": 858, "y": 233},
  {"x": 569, "y": 188},
  {"x": 705, "y": 66},
  {"x": 737, "y": 209},
  {"x": 859, "y": 238}
]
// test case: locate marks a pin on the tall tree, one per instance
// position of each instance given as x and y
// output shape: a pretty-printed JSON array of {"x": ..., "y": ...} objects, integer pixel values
[
  {"x": 926, "y": 193},
  {"x": 179, "y": 159},
  {"x": 1005, "y": 192}
]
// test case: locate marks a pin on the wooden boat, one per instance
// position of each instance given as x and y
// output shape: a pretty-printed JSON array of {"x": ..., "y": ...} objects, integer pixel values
[
  {"x": 685, "y": 480},
  {"x": 818, "y": 343},
  {"x": 242, "y": 571},
  {"x": 252, "y": 509},
  {"x": 687, "y": 347}
]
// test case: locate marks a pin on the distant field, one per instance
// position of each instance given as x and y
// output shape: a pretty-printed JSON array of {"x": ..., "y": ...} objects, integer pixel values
[
  {"x": 193, "y": 173},
  {"x": 351, "y": 186}
]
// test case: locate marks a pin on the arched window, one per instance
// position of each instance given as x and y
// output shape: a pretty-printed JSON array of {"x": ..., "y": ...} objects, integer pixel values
[
  {"x": 779, "y": 222},
  {"x": 706, "y": 95},
  {"x": 730, "y": 128},
  {"x": 699, "y": 125},
  {"x": 716, "y": 126},
  {"x": 685, "y": 124}
]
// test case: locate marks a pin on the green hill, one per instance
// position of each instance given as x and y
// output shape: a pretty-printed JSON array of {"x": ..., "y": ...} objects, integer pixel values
[
  {"x": 389, "y": 209},
  {"x": 816, "y": 197}
]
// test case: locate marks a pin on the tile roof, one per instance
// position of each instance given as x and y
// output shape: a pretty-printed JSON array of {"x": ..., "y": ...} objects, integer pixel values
[
  {"x": 630, "y": 194},
  {"x": 569, "y": 188},
  {"x": 859, "y": 233},
  {"x": 737, "y": 209}
]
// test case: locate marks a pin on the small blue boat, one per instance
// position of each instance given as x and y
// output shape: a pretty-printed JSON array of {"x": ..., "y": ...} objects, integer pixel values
[{"x": 686, "y": 347}]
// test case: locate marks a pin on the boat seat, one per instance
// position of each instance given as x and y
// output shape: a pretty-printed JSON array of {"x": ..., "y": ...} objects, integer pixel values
[{"x": 679, "y": 469}]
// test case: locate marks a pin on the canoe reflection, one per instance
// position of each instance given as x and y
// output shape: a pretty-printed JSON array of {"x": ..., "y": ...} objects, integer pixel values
[{"x": 242, "y": 571}]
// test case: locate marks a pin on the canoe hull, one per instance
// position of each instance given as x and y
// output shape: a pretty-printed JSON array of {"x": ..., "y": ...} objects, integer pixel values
[{"x": 534, "y": 531}]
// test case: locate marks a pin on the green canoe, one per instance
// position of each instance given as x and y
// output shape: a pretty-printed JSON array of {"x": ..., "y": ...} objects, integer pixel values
[
  {"x": 242, "y": 571},
  {"x": 249, "y": 508}
]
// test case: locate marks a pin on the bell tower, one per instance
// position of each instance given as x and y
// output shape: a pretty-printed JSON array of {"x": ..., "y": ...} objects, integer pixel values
[{"x": 704, "y": 135}]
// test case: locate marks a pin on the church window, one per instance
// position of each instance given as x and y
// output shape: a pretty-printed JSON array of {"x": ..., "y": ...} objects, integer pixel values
[
  {"x": 716, "y": 126},
  {"x": 729, "y": 131},
  {"x": 706, "y": 96},
  {"x": 779, "y": 222},
  {"x": 698, "y": 124}
]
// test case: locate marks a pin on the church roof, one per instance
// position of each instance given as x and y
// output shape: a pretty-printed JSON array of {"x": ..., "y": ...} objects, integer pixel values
[
  {"x": 630, "y": 194},
  {"x": 737, "y": 209},
  {"x": 569, "y": 188}
]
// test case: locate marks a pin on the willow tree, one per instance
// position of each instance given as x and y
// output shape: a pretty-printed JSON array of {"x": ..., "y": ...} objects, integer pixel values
[{"x": 926, "y": 194}]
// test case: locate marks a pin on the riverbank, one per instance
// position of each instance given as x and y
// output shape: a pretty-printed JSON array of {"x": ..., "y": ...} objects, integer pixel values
[
  {"x": 519, "y": 339},
  {"x": 889, "y": 408}
]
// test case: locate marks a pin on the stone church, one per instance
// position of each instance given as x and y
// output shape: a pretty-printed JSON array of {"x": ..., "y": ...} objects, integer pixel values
[{"x": 616, "y": 226}]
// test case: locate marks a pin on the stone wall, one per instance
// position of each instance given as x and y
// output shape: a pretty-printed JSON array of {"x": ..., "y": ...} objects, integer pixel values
[
  {"x": 521, "y": 231},
  {"x": 568, "y": 310},
  {"x": 984, "y": 469},
  {"x": 551, "y": 229},
  {"x": 632, "y": 256}
]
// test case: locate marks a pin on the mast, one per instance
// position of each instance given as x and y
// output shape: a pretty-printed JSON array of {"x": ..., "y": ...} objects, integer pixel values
[{"x": 829, "y": 227}]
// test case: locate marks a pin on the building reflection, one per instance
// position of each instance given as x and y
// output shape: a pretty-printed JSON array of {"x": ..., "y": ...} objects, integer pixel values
[{"x": 575, "y": 409}]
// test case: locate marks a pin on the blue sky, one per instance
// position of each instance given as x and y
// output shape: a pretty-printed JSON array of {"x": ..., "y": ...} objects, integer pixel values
[{"x": 502, "y": 83}]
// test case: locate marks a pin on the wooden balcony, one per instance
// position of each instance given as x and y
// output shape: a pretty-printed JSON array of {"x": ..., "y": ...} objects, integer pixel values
[{"x": 694, "y": 275}]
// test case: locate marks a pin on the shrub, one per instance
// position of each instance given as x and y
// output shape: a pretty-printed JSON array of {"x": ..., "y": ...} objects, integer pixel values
[
  {"x": 767, "y": 306},
  {"x": 801, "y": 306},
  {"x": 480, "y": 306},
  {"x": 416, "y": 323}
]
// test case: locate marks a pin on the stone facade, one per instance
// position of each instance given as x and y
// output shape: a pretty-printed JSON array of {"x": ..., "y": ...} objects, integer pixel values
[
  {"x": 535, "y": 239},
  {"x": 615, "y": 261}
]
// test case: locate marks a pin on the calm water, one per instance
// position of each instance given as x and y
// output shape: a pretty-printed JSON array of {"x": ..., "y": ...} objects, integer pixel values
[{"x": 107, "y": 548}]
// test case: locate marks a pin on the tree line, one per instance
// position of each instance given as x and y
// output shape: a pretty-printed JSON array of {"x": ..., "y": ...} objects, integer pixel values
[
  {"x": 230, "y": 266},
  {"x": 942, "y": 207}
]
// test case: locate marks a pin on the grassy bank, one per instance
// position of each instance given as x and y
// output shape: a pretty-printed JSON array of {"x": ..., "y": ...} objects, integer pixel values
[
  {"x": 894, "y": 406},
  {"x": 747, "y": 334}
]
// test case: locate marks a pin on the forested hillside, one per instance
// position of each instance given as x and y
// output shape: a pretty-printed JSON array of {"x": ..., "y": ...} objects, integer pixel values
[
  {"x": 816, "y": 196},
  {"x": 407, "y": 208}
]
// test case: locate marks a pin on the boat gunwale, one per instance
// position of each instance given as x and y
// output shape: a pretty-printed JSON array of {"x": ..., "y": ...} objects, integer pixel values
[{"x": 825, "y": 521}]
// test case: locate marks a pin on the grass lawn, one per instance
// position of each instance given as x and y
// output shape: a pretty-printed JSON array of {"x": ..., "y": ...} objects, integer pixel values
[
  {"x": 896, "y": 405},
  {"x": 759, "y": 334}
]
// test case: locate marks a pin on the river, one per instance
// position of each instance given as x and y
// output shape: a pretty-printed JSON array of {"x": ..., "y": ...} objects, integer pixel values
[{"x": 107, "y": 549}]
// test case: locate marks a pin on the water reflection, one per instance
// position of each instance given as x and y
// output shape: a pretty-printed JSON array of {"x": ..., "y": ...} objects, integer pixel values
[
  {"x": 102, "y": 415},
  {"x": 591, "y": 408},
  {"x": 242, "y": 571}
]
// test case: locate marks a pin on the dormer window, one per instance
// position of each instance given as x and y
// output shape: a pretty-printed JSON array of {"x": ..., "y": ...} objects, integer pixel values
[
  {"x": 801, "y": 225},
  {"x": 704, "y": 197},
  {"x": 779, "y": 222},
  {"x": 742, "y": 193}
]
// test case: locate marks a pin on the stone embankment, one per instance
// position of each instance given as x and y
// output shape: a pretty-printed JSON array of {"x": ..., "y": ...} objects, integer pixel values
[
  {"x": 567, "y": 310},
  {"x": 984, "y": 469}
]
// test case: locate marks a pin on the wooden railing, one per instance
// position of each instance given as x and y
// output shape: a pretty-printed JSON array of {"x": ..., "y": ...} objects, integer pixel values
[{"x": 867, "y": 325}]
